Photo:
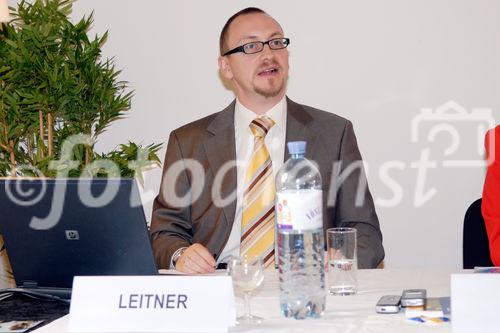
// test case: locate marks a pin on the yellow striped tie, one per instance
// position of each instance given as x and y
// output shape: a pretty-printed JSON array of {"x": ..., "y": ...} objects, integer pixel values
[{"x": 257, "y": 224}]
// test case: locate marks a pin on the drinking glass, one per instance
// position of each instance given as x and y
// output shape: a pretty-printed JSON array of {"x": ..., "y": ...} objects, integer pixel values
[
  {"x": 247, "y": 273},
  {"x": 342, "y": 261}
]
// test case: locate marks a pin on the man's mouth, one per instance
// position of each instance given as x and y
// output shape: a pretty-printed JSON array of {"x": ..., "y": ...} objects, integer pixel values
[{"x": 269, "y": 71}]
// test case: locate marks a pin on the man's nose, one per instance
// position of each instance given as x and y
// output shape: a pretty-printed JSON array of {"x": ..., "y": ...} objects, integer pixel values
[{"x": 267, "y": 53}]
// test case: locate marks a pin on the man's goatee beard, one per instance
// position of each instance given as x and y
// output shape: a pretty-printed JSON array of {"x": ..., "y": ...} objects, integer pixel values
[{"x": 269, "y": 93}]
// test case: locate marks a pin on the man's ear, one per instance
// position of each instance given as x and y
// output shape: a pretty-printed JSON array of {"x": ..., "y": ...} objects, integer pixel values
[{"x": 225, "y": 68}]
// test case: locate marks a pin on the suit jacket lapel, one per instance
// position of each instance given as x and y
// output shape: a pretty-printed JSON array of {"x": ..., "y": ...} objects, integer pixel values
[
  {"x": 220, "y": 145},
  {"x": 220, "y": 149},
  {"x": 298, "y": 124}
]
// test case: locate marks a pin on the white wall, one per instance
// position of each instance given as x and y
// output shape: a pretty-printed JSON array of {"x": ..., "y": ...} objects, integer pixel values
[{"x": 375, "y": 62}]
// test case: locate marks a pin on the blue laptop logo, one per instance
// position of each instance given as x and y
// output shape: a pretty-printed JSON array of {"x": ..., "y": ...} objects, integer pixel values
[{"x": 72, "y": 235}]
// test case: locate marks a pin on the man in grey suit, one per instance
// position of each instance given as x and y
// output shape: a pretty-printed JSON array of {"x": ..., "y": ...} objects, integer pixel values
[{"x": 205, "y": 160}]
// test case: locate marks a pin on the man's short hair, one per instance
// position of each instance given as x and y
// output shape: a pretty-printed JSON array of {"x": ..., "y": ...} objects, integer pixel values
[{"x": 225, "y": 29}]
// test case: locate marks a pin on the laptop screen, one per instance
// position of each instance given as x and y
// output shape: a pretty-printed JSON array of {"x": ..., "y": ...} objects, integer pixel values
[{"x": 55, "y": 229}]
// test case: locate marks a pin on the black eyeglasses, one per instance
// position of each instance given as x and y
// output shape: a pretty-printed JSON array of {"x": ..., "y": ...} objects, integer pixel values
[{"x": 256, "y": 47}]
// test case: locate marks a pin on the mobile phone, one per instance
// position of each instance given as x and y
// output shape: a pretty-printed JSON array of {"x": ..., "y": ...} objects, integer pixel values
[
  {"x": 413, "y": 297},
  {"x": 388, "y": 304}
]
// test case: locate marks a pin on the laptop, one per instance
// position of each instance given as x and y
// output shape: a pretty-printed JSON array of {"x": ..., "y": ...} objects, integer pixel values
[{"x": 54, "y": 229}]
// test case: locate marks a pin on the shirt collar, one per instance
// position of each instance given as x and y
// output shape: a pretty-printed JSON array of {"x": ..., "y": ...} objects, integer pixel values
[{"x": 244, "y": 116}]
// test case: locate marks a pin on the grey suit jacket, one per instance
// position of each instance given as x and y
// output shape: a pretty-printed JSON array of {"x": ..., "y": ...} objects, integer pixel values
[{"x": 331, "y": 143}]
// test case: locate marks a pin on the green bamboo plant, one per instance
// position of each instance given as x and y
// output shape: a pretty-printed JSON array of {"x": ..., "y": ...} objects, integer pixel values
[{"x": 54, "y": 84}]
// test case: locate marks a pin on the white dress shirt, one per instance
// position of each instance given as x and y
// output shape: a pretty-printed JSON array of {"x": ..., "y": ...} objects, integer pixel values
[{"x": 244, "y": 140}]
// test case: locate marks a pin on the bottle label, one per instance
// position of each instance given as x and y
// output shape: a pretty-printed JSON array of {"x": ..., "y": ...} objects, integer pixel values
[{"x": 299, "y": 209}]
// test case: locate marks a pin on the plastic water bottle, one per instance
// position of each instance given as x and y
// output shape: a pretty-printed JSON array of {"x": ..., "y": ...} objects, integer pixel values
[{"x": 300, "y": 241}]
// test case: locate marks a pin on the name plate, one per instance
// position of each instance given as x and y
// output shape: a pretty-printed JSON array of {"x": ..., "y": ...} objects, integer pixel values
[
  {"x": 475, "y": 302},
  {"x": 152, "y": 304}
]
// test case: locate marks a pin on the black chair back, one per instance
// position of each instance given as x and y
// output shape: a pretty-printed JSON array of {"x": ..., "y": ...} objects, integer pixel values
[{"x": 476, "y": 249}]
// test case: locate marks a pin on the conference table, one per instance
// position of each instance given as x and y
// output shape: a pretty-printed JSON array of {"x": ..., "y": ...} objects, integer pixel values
[{"x": 344, "y": 314}]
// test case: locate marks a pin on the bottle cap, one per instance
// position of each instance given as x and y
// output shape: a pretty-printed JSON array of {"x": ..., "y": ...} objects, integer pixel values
[{"x": 296, "y": 147}]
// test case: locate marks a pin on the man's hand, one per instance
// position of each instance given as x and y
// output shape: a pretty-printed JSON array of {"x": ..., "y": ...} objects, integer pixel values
[{"x": 196, "y": 259}]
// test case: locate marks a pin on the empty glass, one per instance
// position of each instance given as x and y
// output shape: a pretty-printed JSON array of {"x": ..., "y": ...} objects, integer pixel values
[
  {"x": 342, "y": 261},
  {"x": 247, "y": 273}
]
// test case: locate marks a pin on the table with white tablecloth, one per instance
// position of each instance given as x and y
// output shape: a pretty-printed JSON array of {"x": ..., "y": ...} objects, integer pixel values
[{"x": 343, "y": 313}]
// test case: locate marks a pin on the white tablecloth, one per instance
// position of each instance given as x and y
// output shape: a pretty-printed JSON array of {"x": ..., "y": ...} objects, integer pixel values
[{"x": 343, "y": 313}]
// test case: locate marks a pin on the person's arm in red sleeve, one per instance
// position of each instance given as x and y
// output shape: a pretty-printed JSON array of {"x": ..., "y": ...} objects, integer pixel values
[{"x": 491, "y": 194}]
